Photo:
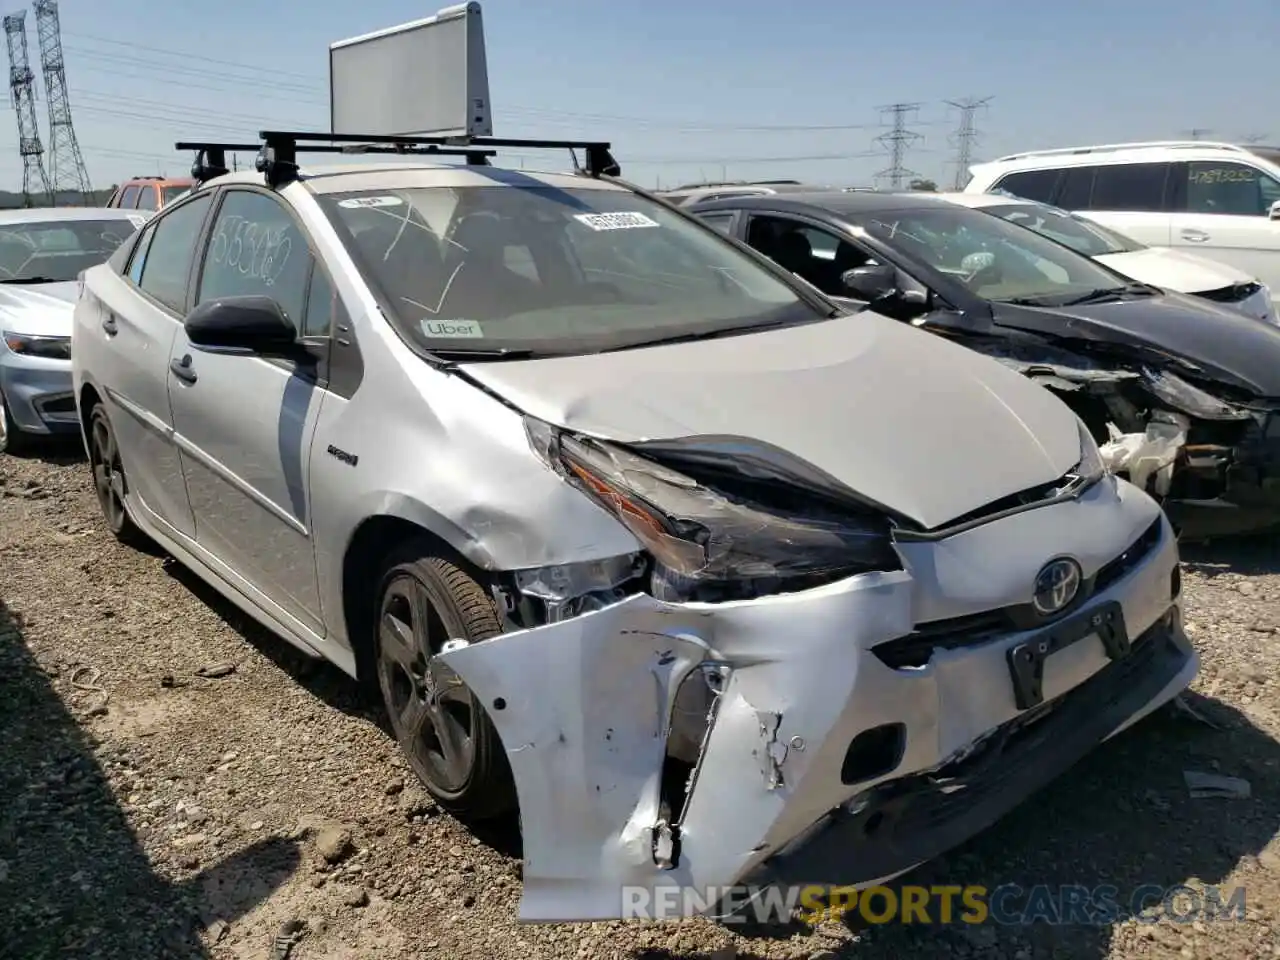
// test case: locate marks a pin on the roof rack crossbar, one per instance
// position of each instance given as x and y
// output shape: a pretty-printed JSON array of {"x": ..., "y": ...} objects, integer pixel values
[
  {"x": 1135, "y": 145},
  {"x": 278, "y": 151}
]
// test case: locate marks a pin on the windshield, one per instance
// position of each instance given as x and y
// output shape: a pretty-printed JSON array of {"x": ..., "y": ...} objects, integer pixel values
[
  {"x": 1079, "y": 234},
  {"x": 991, "y": 257},
  {"x": 551, "y": 270},
  {"x": 52, "y": 251}
]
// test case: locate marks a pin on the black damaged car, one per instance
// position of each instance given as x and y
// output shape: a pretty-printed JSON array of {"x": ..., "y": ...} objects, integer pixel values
[{"x": 1182, "y": 396}]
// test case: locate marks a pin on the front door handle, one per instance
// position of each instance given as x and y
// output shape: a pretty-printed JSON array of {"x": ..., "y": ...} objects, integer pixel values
[
  {"x": 182, "y": 369},
  {"x": 1194, "y": 236},
  {"x": 109, "y": 325}
]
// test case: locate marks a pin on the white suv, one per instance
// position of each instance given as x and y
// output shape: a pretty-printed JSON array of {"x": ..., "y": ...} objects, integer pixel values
[{"x": 1218, "y": 199}]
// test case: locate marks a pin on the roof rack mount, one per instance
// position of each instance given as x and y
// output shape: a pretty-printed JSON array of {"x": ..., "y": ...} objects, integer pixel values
[{"x": 278, "y": 151}]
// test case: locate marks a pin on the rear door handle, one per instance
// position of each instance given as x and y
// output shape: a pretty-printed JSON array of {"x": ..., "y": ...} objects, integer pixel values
[
  {"x": 182, "y": 369},
  {"x": 109, "y": 325},
  {"x": 1195, "y": 236}
]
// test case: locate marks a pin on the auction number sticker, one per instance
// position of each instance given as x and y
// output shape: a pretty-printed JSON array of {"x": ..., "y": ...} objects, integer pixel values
[
  {"x": 355, "y": 203},
  {"x": 615, "y": 221}
]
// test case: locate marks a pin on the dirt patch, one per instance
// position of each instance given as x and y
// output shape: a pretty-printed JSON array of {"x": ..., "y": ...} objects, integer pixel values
[{"x": 193, "y": 817}]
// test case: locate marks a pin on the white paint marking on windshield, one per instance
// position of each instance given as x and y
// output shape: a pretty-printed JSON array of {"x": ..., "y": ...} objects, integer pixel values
[{"x": 623, "y": 220}]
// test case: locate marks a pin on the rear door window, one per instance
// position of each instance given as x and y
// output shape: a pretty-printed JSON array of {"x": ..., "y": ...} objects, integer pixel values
[
  {"x": 147, "y": 198},
  {"x": 163, "y": 266},
  {"x": 1076, "y": 188},
  {"x": 1138, "y": 187},
  {"x": 129, "y": 198}
]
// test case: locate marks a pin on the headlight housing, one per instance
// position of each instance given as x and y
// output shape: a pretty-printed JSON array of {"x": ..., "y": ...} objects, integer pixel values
[
  {"x": 742, "y": 537},
  {"x": 29, "y": 345}
]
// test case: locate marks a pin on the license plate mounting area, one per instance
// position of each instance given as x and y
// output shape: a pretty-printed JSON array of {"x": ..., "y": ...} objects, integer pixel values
[{"x": 1026, "y": 659}]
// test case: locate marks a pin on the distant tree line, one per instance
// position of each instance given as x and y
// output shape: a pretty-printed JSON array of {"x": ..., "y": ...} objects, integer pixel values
[{"x": 10, "y": 200}]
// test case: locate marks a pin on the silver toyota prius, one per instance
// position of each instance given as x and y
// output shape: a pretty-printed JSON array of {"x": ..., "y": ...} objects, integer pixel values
[
  {"x": 633, "y": 531},
  {"x": 42, "y": 252}
]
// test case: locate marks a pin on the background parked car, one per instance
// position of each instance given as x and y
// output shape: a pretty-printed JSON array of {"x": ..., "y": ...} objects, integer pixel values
[
  {"x": 1160, "y": 266},
  {"x": 1148, "y": 370},
  {"x": 698, "y": 192},
  {"x": 1218, "y": 199},
  {"x": 149, "y": 194},
  {"x": 42, "y": 252}
]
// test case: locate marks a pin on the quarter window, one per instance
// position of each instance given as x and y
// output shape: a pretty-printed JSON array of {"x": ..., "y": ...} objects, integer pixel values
[
  {"x": 320, "y": 305},
  {"x": 163, "y": 261},
  {"x": 1137, "y": 187},
  {"x": 1229, "y": 188},
  {"x": 718, "y": 221},
  {"x": 256, "y": 248},
  {"x": 1031, "y": 184}
]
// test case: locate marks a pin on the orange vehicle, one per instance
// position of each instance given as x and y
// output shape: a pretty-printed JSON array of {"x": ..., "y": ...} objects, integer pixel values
[{"x": 149, "y": 194}]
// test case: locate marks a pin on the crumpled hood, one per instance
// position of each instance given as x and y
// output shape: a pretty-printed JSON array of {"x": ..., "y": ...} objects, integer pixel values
[
  {"x": 1175, "y": 270},
  {"x": 38, "y": 309},
  {"x": 1223, "y": 344},
  {"x": 925, "y": 427}
]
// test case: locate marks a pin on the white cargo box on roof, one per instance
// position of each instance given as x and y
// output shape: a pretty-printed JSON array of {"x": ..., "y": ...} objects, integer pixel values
[{"x": 425, "y": 78}]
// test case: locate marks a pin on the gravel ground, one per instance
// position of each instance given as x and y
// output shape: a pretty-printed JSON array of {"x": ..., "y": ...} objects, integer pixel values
[{"x": 147, "y": 811}]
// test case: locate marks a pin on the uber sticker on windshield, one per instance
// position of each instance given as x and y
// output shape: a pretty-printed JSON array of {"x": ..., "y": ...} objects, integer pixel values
[
  {"x": 624, "y": 220},
  {"x": 452, "y": 328},
  {"x": 355, "y": 203}
]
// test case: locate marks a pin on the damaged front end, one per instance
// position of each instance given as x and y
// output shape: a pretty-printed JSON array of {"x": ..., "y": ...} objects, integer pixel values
[
  {"x": 1211, "y": 458},
  {"x": 691, "y": 716}
]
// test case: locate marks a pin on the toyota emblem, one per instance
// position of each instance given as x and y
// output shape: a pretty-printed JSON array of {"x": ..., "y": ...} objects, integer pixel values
[{"x": 1056, "y": 587}]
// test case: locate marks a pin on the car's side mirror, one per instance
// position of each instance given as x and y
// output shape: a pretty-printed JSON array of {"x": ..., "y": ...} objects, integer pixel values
[
  {"x": 253, "y": 323},
  {"x": 1275, "y": 210},
  {"x": 870, "y": 283}
]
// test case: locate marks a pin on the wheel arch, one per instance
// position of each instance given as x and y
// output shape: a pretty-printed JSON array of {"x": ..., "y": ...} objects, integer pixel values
[
  {"x": 86, "y": 400},
  {"x": 373, "y": 541}
]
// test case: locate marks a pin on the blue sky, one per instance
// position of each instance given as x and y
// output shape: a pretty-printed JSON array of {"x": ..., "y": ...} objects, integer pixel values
[{"x": 679, "y": 87}]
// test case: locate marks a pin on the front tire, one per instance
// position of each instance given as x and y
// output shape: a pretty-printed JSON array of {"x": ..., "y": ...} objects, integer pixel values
[
  {"x": 109, "y": 479},
  {"x": 443, "y": 731},
  {"x": 12, "y": 439}
]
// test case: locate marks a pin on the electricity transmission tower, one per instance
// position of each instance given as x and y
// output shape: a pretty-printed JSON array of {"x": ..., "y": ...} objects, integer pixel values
[
  {"x": 67, "y": 172},
  {"x": 22, "y": 93},
  {"x": 897, "y": 140},
  {"x": 1198, "y": 133},
  {"x": 1252, "y": 138},
  {"x": 966, "y": 136}
]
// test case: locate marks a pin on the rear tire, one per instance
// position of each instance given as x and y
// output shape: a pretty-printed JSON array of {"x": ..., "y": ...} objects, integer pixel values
[
  {"x": 443, "y": 731},
  {"x": 109, "y": 481}
]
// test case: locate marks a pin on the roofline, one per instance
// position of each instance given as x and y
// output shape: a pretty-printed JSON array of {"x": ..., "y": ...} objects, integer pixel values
[{"x": 1117, "y": 147}]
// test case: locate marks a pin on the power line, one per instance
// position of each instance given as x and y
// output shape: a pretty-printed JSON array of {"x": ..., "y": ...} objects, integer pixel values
[
  {"x": 966, "y": 136},
  {"x": 898, "y": 139},
  {"x": 22, "y": 87},
  {"x": 67, "y": 172}
]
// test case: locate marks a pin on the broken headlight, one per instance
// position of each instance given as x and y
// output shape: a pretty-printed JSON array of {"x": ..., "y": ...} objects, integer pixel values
[{"x": 730, "y": 538}]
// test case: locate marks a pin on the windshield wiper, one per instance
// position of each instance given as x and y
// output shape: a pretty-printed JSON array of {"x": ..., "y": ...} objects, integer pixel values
[
  {"x": 1110, "y": 294},
  {"x": 30, "y": 280},
  {"x": 704, "y": 335},
  {"x": 451, "y": 357}
]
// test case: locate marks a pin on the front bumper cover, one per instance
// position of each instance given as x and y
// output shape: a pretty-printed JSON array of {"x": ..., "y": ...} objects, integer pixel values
[
  {"x": 584, "y": 706},
  {"x": 38, "y": 392}
]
